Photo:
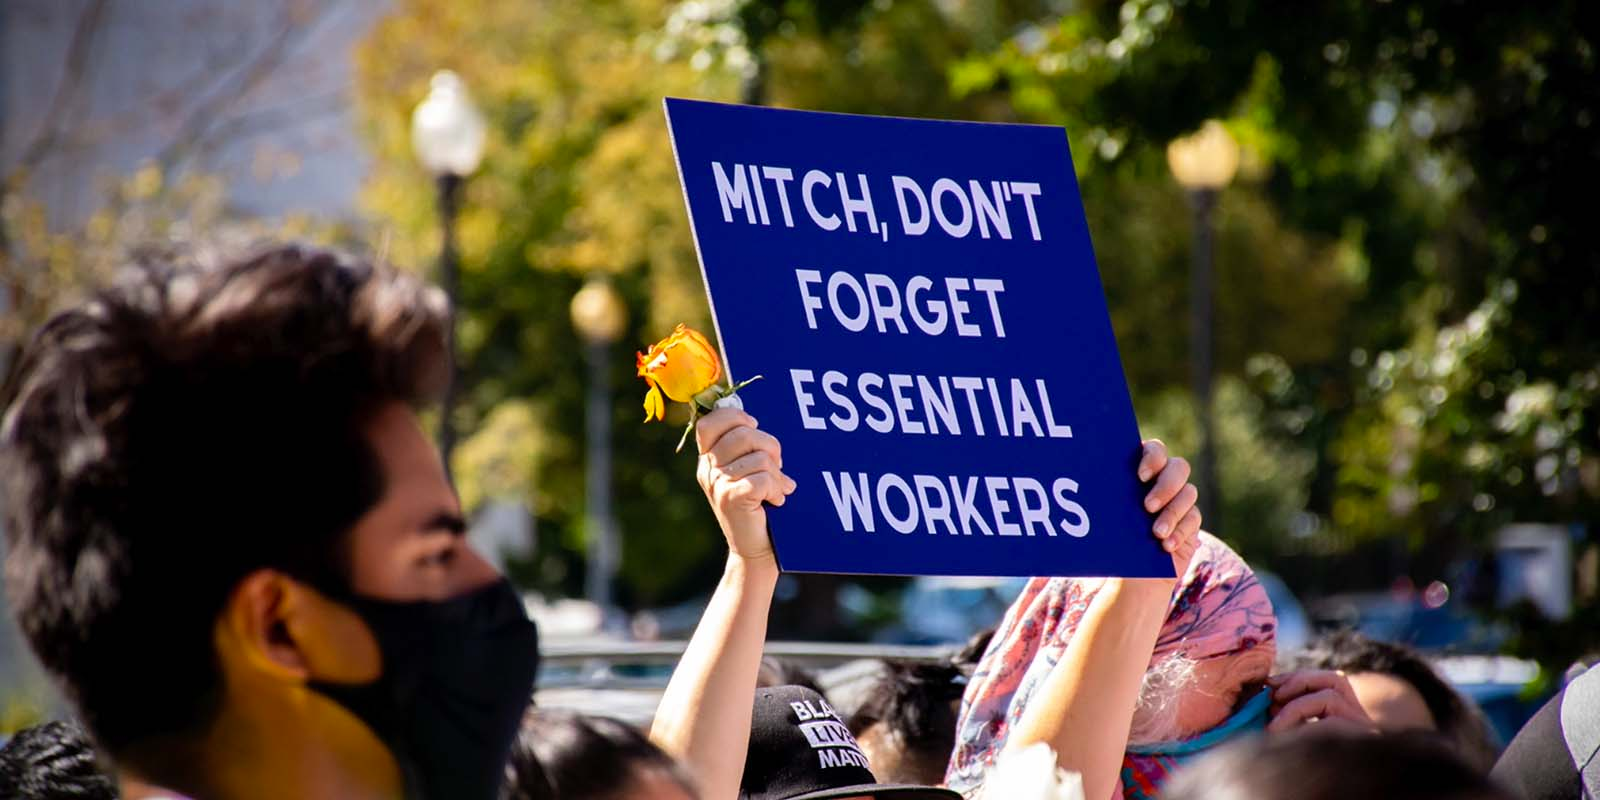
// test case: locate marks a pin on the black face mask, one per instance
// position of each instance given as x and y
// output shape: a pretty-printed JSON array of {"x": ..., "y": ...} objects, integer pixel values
[{"x": 457, "y": 676}]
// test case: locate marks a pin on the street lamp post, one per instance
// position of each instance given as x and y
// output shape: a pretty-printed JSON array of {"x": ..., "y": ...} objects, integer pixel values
[
  {"x": 1204, "y": 163},
  {"x": 448, "y": 133},
  {"x": 599, "y": 316}
]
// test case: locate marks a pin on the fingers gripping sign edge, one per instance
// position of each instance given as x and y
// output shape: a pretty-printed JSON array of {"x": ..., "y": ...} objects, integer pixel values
[{"x": 1152, "y": 459}]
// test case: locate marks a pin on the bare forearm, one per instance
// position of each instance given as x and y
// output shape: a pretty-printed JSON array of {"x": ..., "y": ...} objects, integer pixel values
[
  {"x": 704, "y": 716},
  {"x": 1085, "y": 707}
]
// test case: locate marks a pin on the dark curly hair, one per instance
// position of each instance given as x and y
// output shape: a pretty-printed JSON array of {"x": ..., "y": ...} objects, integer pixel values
[
  {"x": 563, "y": 755},
  {"x": 192, "y": 423},
  {"x": 53, "y": 761},
  {"x": 1333, "y": 766},
  {"x": 912, "y": 707}
]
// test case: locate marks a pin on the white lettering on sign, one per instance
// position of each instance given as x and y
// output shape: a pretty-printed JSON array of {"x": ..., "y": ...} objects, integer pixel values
[
  {"x": 955, "y": 207},
  {"x": 850, "y": 500},
  {"x": 989, "y": 505},
  {"x": 902, "y": 303},
  {"x": 927, "y": 404},
  {"x": 803, "y": 399},
  {"x": 812, "y": 180},
  {"x": 733, "y": 194},
  {"x": 943, "y": 188},
  {"x": 780, "y": 176},
  {"x": 857, "y": 205},
  {"x": 991, "y": 211},
  {"x": 878, "y": 300},
  {"x": 1028, "y": 191},
  {"x": 959, "y": 386},
  {"x": 903, "y": 186}
]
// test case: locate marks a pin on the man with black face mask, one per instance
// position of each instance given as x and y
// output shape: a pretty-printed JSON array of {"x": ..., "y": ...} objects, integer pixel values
[{"x": 235, "y": 549}]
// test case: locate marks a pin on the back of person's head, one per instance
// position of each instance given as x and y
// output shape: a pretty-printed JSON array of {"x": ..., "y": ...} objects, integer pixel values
[
  {"x": 907, "y": 726},
  {"x": 782, "y": 672},
  {"x": 189, "y": 425},
  {"x": 1331, "y": 766},
  {"x": 562, "y": 755},
  {"x": 53, "y": 761},
  {"x": 1456, "y": 718},
  {"x": 972, "y": 652}
]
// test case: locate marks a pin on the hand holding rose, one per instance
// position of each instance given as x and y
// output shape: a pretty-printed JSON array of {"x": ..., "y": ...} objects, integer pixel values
[{"x": 741, "y": 467}]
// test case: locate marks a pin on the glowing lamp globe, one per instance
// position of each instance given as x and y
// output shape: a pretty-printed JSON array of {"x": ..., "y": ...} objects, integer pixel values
[
  {"x": 598, "y": 312},
  {"x": 447, "y": 130},
  {"x": 1206, "y": 159}
]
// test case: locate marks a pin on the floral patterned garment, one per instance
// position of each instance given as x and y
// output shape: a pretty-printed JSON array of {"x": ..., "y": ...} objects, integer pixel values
[{"x": 1219, "y": 609}]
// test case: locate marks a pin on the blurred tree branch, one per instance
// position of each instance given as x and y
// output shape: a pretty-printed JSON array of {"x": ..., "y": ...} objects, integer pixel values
[
  {"x": 206, "y": 118},
  {"x": 74, "y": 72},
  {"x": 40, "y": 266}
]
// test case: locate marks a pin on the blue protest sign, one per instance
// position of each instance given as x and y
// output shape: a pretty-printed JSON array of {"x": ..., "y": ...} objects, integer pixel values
[{"x": 922, "y": 299}]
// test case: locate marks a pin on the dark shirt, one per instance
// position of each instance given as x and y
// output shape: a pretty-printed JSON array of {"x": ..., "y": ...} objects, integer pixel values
[{"x": 1556, "y": 756}]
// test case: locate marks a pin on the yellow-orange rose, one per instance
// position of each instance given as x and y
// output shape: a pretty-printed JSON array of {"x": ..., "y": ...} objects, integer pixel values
[{"x": 681, "y": 366}]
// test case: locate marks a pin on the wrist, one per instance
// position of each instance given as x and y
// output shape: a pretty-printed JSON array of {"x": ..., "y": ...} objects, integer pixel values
[
  {"x": 1146, "y": 597},
  {"x": 1154, "y": 587},
  {"x": 746, "y": 569}
]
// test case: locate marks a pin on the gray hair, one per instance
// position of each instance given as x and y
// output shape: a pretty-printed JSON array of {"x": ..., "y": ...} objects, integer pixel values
[{"x": 1155, "y": 718}]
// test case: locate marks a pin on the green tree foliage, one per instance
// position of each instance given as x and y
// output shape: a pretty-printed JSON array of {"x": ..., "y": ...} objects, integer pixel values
[
  {"x": 1264, "y": 477},
  {"x": 1444, "y": 148},
  {"x": 1407, "y": 303},
  {"x": 578, "y": 182}
]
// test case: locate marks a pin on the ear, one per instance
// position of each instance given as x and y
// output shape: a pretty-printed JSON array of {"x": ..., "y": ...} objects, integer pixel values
[{"x": 283, "y": 630}]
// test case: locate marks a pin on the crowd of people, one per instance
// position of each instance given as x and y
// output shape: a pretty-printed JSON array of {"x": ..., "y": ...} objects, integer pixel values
[{"x": 240, "y": 558}]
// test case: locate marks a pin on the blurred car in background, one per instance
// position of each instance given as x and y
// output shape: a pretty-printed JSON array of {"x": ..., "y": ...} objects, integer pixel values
[
  {"x": 941, "y": 610},
  {"x": 1432, "y": 623},
  {"x": 935, "y": 610},
  {"x": 930, "y": 618}
]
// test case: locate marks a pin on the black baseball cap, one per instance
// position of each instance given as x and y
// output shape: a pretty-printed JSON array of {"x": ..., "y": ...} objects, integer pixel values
[{"x": 801, "y": 750}]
